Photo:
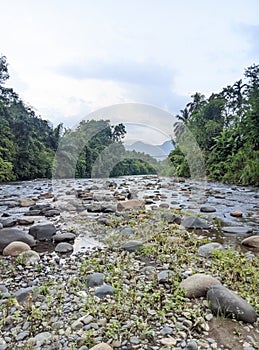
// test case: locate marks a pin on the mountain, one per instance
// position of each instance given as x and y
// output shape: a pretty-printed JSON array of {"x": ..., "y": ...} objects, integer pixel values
[{"x": 159, "y": 152}]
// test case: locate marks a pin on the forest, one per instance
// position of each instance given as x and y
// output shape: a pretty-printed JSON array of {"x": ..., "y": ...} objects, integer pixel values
[{"x": 225, "y": 127}]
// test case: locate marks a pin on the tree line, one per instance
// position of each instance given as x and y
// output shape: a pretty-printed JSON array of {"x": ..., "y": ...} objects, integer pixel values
[
  {"x": 226, "y": 128},
  {"x": 29, "y": 144}
]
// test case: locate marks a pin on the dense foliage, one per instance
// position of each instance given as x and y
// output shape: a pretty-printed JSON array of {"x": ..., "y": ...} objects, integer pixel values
[
  {"x": 226, "y": 128},
  {"x": 28, "y": 144}
]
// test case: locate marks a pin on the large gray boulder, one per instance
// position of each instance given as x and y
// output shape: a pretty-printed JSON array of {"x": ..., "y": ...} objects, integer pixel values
[
  {"x": 42, "y": 232},
  {"x": 209, "y": 248},
  {"x": 9, "y": 235},
  {"x": 193, "y": 222},
  {"x": 224, "y": 302}
]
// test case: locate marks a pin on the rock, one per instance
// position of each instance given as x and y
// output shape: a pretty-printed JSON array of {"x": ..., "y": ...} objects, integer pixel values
[
  {"x": 237, "y": 229},
  {"x": 127, "y": 231},
  {"x": 32, "y": 213},
  {"x": 164, "y": 276},
  {"x": 42, "y": 232},
  {"x": 171, "y": 218},
  {"x": 52, "y": 212},
  {"x": 40, "y": 207},
  {"x": 168, "y": 341},
  {"x": 42, "y": 338},
  {"x": 132, "y": 204},
  {"x": 207, "y": 249},
  {"x": 25, "y": 221},
  {"x": 15, "y": 248},
  {"x": 64, "y": 247},
  {"x": 1, "y": 226},
  {"x": 9, "y": 222},
  {"x": 197, "y": 285},
  {"x": 104, "y": 290},
  {"x": 29, "y": 257},
  {"x": 166, "y": 330},
  {"x": 193, "y": 222},
  {"x": 64, "y": 237},
  {"x": 192, "y": 345},
  {"x": 207, "y": 209},
  {"x": 8, "y": 235},
  {"x": 223, "y": 301},
  {"x": 132, "y": 246},
  {"x": 252, "y": 241},
  {"x": 237, "y": 213},
  {"x": 101, "y": 346},
  {"x": 26, "y": 202},
  {"x": 94, "y": 279},
  {"x": 24, "y": 295},
  {"x": 4, "y": 291}
]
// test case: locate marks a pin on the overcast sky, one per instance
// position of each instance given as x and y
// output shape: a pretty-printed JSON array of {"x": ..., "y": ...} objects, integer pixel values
[{"x": 68, "y": 58}]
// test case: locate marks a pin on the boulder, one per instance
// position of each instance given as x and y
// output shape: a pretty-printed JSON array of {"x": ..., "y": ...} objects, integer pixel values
[
  {"x": 15, "y": 248},
  {"x": 237, "y": 213},
  {"x": 237, "y": 229},
  {"x": 9, "y": 222},
  {"x": 26, "y": 202},
  {"x": 132, "y": 246},
  {"x": 64, "y": 237},
  {"x": 104, "y": 290},
  {"x": 192, "y": 222},
  {"x": 8, "y": 235},
  {"x": 24, "y": 295},
  {"x": 42, "y": 232},
  {"x": 64, "y": 247},
  {"x": 207, "y": 209},
  {"x": 171, "y": 218},
  {"x": 132, "y": 204},
  {"x": 52, "y": 212},
  {"x": 30, "y": 257},
  {"x": 225, "y": 302},
  {"x": 197, "y": 285},
  {"x": 94, "y": 279},
  {"x": 252, "y": 241},
  {"x": 25, "y": 221},
  {"x": 207, "y": 249}
]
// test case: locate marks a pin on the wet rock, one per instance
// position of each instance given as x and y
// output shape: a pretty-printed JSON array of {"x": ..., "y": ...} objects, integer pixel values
[
  {"x": 132, "y": 246},
  {"x": 237, "y": 229},
  {"x": 207, "y": 209},
  {"x": 26, "y": 202},
  {"x": 104, "y": 290},
  {"x": 192, "y": 222},
  {"x": 9, "y": 222},
  {"x": 94, "y": 279},
  {"x": 64, "y": 247},
  {"x": 64, "y": 237},
  {"x": 237, "y": 213},
  {"x": 252, "y": 241},
  {"x": 42, "y": 232},
  {"x": 15, "y": 248},
  {"x": 8, "y": 235},
  {"x": 223, "y": 301},
  {"x": 197, "y": 285},
  {"x": 30, "y": 257},
  {"x": 132, "y": 204},
  {"x": 207, "y": 249}
]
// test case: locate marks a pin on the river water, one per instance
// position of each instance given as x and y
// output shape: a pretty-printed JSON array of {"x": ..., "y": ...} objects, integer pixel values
[{"x": 180, "y": 195}]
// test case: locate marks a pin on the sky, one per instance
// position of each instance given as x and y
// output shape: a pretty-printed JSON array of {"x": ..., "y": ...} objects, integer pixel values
[{"x": 69, "y": 58}]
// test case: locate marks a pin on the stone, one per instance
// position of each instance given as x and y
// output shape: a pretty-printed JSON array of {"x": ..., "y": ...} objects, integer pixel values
[
  {"x": 168, "y": 341},
  {"x": 197, "y": 285},
  {"x": 207, "y": 209},
  {"x": 15, "y": 248},
  {"x": 192, "y": 222},
  {"x": 42, "y": 232},
  {"x": 237, "y": 213},
  {"x": 104, "y": 290},
  {"x": 192, "y": 345},
  {"x": 32, "y": 213},
  {"x": 94, "y": 279},
  {"x": 26, "y": 202},
  {"x": 64, "y": 237},
  {"x": 42, "y": 338},
  {"x": 225, "y": 302},
  {"x": 40, "y": 207},
  {"x": 8, "y": 235},
  {"x": 164, "y": 276},
  {"x": 25, "y": 221},
  {"x": 52, "y": 212},
  {"x": 131, "y": 204},
  {"x": 207, "y": 249},
  {"x": 30, "y": 257},
  {"x": 4, "y": 291},
  {"x": 171, "y": 218},
  {"x": 237, "y": 229},
  {"x": 24, "y": 295},
  {"x": 9, "y": 222},
  {"x": 132, "y": 246},
  {"x": 101, "y": 346},
  {"x": 166, "y": 330},
  {"x": 63, "y": 247},
  {"x": 252, "y": 241}
]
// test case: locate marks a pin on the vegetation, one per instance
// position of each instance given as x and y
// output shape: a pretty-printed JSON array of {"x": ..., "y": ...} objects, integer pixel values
[{"x": 226, "y": 128}]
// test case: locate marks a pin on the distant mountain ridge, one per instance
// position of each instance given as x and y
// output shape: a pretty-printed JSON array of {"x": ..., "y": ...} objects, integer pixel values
[{"x": 159, "y": 152}]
